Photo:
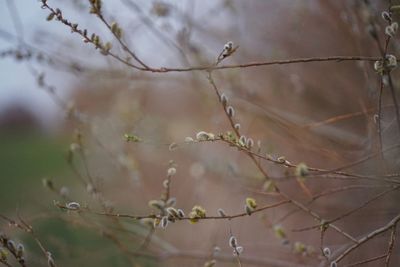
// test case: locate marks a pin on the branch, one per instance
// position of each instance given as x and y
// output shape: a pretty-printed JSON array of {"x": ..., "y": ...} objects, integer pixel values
[{"x": 369, "y": 236}]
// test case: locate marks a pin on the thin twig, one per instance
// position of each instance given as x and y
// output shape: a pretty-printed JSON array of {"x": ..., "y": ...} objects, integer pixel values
[
  {"x": 366, "y": 261},
  {"x": 391, "y": 245},
  {"x": 369, "y": 236}
]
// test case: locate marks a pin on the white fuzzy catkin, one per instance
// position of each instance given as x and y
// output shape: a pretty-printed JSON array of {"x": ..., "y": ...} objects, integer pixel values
[
  {"x": 164, "y": 222},
  {"x": 171, "y": 171},
  {"x": 243, "y": 140},
  {"x": 327, "y": 252},
  {"x": 230, "y": 111},
  {"x": 238, "y": 250},
  {"x": 189, "y": 139},
  {"x": 392, "y": 29},
  {"x": 232, "y": 242},
  {"x": 224, "y": 99},
  {"x": 73, "y": 206},
  {"x": 249, "y": 143},
  {"x": 202, "y": 136},
  {"x": 386, "y": 16},
  {"x": 181, "y": 213}
]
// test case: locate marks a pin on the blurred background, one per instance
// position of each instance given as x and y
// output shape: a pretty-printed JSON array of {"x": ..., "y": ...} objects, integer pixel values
[{"x": 65, "y": 109}]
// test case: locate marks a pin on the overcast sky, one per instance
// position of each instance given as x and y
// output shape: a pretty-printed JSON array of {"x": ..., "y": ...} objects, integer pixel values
[{"x": 17, "y": 86}]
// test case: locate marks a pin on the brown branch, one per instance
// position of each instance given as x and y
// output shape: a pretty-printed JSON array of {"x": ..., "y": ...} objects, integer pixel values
[
  {"x": 348, "y": 213},
  {"x": 366, "y": 261},
  {"x": 318, "y": 171},
  {"x": 396, "y": 104},
  {"x": 391, "y": 245},
  {"x": 343, "y": 117},
  {"x": 379, "y": 122},
  {"x": 228, "y": 258},
  {"x": 260, "y": 168},
  {"x": 199, "y": 68},
  {"x": 26, "y": 228},
  {"x": 369, "y": 236},
  {"x": 121, "y": 42},
  {"x": 341, "y": 189},
  {"x": 152, "y": 216}
]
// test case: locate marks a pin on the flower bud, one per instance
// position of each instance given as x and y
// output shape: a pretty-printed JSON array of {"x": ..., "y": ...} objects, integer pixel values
[{"x": 73, "y": 206}]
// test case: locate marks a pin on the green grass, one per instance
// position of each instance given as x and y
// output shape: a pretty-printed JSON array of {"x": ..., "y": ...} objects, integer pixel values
[{"x": 24, "y": 161}]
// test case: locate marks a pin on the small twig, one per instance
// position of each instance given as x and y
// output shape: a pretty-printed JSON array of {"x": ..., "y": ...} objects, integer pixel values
[
  {"x": 396, "y": 105},
  {"x": 391, "y": 245},
  {"x": 152, "y": 216},
  {"x": 369, "y": 236},
  {"x": 366, "y": 261},
  {"x": 348, "y": 213}
]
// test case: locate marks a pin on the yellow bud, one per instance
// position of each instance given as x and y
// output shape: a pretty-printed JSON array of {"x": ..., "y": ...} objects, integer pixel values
[{"x": 251, "y": 203}]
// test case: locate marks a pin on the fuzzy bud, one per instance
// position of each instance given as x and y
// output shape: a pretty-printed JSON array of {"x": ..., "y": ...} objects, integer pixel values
[
  {"x": 327, "y": 252},
  {"x": 11, "y": 246},
  {"x": 386, "y": 16},
  {"x": 248, "y": 210},
  {"x": 299, "y": 247},
  {"x": 279, "y": 232},
  {"x": 237, "y": 251},
  {"x": 281, "y": 159},
  {"x": 3, "y": 254},
  {"x": 391, "y": 61},
  {"x": 228, "y": 46},
  {"x": 242, "y": 140},
  {"x": 164, "y": 222},
  {"x": 172, "y": 212},
  {"x": 181, "y": 213},
  {"x": 20, "y": 250},
  {"x": 197, "y": 213},
  {"x": 230, "y": 111},
  {"x": 250, "y": 206},
  {"x": 50, "y": 17},
  {"x": 392, "y": 29},
  {"x": 202, "y": 136},
  {"x": 233, "y": 242},
  {"x": 189, "y": 139},
  {"x": 173, "y": 146},
  {"x": 249, "y": 143},
  {"x": 158, "y": 204},
  {"x": 251, "y": 203},
  {"x": 223, "y": 99},
  {"x": 171, "y": 172},
  {"x": 228, "y": 49},
  {"x": 301, "y": 170},
  {"x": 378, "y": 66},
  {"x": 166, "y": 183},
  {"x": 73, "y": 206}
]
